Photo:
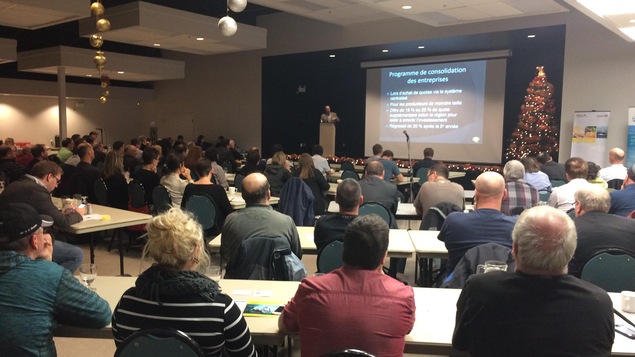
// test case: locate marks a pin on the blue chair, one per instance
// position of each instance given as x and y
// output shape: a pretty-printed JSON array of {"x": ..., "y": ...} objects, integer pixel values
[
  {"x": 422, "y": 174},
  {"x": 612, "y": 269},
  {"x": 557, "y": 183},
  {"x": 330, "y": 257},
  {"x": 350, "y": 174},
  {"x": 161, "y": 198},
  {"x": 347, "y": 165},
  {"x": 238, "y": 182},
  {"x": 204, "y": 209},
  {"x": 159, "y": 343},
  {"x": 378, "y": 209}
]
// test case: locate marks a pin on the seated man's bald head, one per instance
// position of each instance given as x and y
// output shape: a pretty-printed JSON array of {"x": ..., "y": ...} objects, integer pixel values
[
  {"x": 490, "y": 184},
  {"x": 255, "y": 189}
]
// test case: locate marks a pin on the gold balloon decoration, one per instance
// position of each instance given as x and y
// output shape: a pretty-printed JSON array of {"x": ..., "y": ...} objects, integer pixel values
[
  {"x": 103, "y": 25},
  {"x": 96, "y": 41},
  {"x": 97, "y": 9}
]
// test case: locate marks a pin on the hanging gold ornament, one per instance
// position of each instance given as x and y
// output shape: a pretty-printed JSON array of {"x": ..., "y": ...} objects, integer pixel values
[
  {"x": 105, "y": 81},
  {"x": 541, "y": 72},
  {"x": 106, "y": 93},
  {"x": 96, "y": 40},
  {"x": 103, "y": 25},
  {"x": 97, "y": 9},
  {"x": 99, "y": 59},
  {"x": 102, "y": 100}
]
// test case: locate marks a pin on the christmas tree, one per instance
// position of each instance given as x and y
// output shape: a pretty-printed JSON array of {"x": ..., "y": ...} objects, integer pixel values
[{"x": 537, "y": 129}]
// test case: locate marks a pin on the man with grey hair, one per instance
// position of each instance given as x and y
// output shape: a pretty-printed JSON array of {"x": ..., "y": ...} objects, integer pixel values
[
  {"x": 538, "y": 310},
  {"x": 331, "y": 227},
  {"x": 520, "y": 194},
  {"x": 597, "y": 229}
]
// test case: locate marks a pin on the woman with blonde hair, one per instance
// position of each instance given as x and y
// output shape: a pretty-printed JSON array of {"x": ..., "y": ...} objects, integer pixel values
[
  {"x": 172, "y": 294},
  {"x": 314, "y": 178},
  {"x": 116, "y": 183}
]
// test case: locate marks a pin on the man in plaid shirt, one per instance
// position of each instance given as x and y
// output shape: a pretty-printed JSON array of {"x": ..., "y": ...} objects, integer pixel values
[{"x": 519, "y": 193}]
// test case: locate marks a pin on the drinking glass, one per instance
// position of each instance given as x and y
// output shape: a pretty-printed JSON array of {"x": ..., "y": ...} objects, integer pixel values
[
  {"x": 213, "y": 272},
  {"x": 88, "y": 273}
]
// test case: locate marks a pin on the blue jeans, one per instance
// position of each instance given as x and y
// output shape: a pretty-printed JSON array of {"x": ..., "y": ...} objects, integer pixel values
[{"x": 67, "y": 255}]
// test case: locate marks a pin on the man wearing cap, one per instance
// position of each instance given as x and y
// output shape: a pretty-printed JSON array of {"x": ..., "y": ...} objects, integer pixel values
[
  {"x": 35, "y": 294},
  {"x": 623, "y": 201},
  {"x": 34, "y": 189}
]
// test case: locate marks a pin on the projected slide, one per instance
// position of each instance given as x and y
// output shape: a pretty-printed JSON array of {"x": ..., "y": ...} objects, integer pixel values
[
  {"x": 455, "y": 107},
  {"x": 439, "y": 103}
]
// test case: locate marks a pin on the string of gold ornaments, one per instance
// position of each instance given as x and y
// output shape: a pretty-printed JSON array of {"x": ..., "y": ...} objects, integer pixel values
[{"x": 96, "y": 41}]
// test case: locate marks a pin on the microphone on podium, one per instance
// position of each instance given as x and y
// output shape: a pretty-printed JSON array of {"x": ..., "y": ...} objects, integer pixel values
[{"x": 406, "y": 134}]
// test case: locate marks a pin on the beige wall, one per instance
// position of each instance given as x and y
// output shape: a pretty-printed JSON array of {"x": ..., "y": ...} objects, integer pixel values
[{"x": 220, "y": 95}]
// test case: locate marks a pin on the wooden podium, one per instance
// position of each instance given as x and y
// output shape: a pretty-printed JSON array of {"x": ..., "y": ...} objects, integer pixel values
[{"x": 327, "y": 138}]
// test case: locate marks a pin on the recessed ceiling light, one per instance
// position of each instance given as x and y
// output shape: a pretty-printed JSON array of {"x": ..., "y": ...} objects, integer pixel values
[
  {"x": 89, "y": 75},
  {"x": 406, "y": 7},
  {"x": 384, "y": 51},
  {"x": 420, "y": 47},
  {"x": 332, "y": 56},
  {"x": 121, "y": 72},
  {"x": 531, "y": 36},
  {"x": 200, "y": 38},
  {"x": 157, "y": 45}
]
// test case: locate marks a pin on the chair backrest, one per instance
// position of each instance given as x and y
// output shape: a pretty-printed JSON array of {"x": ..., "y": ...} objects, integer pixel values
[
  {"x": 227, "y": 166},
  {"x": 544, "y": 196},
  {"x": 435, "y": 217},
  {"x": 378, "y": 209},
  {"x": 350, "y": 174},
  {"x": 298, "y": 202},
  {"x": 330, "y": 257},
  {"x": 347, "y": 165},
  {"x": 161, "y": 198},
  {"x": 475, "y": 256},
  {"x": 203, "y": 208},
  {"x": 348, "y": 352},
  {"x": 615, "y": 184},
  {"x": 136, "y": 194},
  {"x": 557, "y": 183},
  {"x": 238, "y": 182},
  {"x": 422, "y": 174},
  {"x": 101, "y": 192},
  {"x": 264, "y": 258},
  {"x": 159, "y": 343},
  {"x": 613, "y": 270}
]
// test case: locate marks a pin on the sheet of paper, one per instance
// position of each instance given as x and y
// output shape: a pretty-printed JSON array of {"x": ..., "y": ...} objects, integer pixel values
[
  {"x": 241, "y": 292},
  {"x": 262, "y": 293}
]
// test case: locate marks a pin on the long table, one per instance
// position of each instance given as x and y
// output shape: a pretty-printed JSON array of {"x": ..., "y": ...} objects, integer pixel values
[
  {"x": 404, "y": 210},
  {"x": 118, "y": 219},
  {"x": 399, "y": 246},
  {"x": 237, "y": 202},
  {"x": 431, "y": 334}
]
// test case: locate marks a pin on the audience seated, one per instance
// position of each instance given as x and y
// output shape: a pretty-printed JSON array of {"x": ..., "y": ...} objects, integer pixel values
[
  {"x": 623, "y": 201},
  {"x": 314, "y": 179},
  {"x": 258, "y": 219},
  {"x": 438, "y": 189},
  {"x": 130, "y": 159},
  {"x": 13, "y": 170},
  {"x": 252, "y": 163},
  {"x": 519, "y": 193},
  {"x": 539, "y": 310},
  {"x": 487, "y": 224},
  {"x": 37, "y": 295},
  {"x": 617, "y": 170},
  {"x": 377, "y": 151},
  {"x": 35, "y": 189},
  {"x": 147, "y": 176},
  {"x": 204, "y": 185},
  {"x": 218, "y": 176},
  {"x": 173, "y": 294},
  {"x": 277, "y": 173},
  {"x": 172, "y": 180},
  {"x": 116, "y": 183},
  {"x": 355, "y": 306},
  {"x": 554, "y": 170},
  {"x": 593, "y": 175},
  {"x": 24, "y": 157},
  {"x": 320, "y": 162},
  {"x": 66, "y": 151},
  {"x": 562, "y": 197},
  {"x": 427, "y": 161},
  {"x": 596, "y": 229},
  {"x": 194, "y": 154},
  {"x": 331, "y": 227},
  {"x": 39, "y": 153},
  {"x": 86, "y": 173},
  {"x": 376, "y": 189},
  {"x": 533, "y": 176},
  {"x": 390, "y": 167}
]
